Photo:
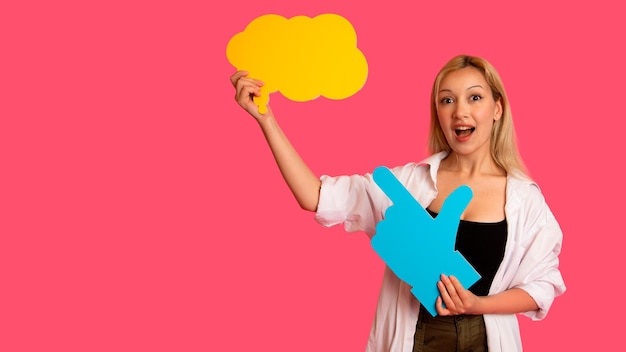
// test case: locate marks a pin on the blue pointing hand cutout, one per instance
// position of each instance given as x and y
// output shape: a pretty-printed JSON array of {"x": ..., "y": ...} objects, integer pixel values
[{"x": 418, "y": 248}]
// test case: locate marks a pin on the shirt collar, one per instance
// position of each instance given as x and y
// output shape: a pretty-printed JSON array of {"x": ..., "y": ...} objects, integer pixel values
[{"x": 433, "y": 162}]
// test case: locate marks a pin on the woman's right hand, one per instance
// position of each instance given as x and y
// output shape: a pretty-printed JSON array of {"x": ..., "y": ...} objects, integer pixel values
[{"x": 245, "y": 90}]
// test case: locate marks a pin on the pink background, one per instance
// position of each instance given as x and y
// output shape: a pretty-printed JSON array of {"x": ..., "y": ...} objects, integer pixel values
[{"x": 141, "y": 209}]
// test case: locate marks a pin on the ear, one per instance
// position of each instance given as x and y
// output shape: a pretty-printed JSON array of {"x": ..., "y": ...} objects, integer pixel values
[{"x": 499, "y": 110}]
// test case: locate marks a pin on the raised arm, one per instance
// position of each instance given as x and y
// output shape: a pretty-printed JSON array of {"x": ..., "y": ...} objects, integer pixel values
[{"x": 302, "y": 182}]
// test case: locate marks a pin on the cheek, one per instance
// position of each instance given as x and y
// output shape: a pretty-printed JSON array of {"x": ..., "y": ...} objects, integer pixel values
[
  {"x": 486, "y": 115},
  {"x": 443, "y": 115},
  {"x": 442, "y": 122}
]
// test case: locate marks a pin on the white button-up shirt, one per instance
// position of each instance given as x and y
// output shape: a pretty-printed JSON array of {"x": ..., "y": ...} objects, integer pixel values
[{"x": 530, "y": 259}]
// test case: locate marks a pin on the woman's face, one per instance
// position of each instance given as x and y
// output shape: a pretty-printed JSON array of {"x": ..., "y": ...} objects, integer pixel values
[{"x": 466, "y": 111}]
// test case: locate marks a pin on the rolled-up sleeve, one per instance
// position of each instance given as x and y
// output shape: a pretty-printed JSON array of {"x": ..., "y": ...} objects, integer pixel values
[
  {"x": 539, "y": 273},
  {"x": 355, "y": 200}
]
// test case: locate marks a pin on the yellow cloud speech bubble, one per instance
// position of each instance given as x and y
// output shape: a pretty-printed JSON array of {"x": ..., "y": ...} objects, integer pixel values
[{"x": 302, "y": 57}]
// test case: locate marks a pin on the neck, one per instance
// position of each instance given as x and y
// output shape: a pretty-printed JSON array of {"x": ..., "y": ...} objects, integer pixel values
[{"x": 472, "y": 165}]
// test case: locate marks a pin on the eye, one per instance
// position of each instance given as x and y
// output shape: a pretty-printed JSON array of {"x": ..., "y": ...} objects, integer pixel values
[
  {"x": 475, "y": 97},
  {"x": 446, "y": 100}
]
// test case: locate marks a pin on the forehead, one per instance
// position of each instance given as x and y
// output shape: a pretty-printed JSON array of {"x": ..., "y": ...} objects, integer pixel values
[{"x": 463, "y": 79}]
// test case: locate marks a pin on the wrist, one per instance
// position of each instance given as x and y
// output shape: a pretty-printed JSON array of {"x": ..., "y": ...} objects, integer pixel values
[
  {"x": 265, "y": 120},
  {"x": 481, "y": 306}
]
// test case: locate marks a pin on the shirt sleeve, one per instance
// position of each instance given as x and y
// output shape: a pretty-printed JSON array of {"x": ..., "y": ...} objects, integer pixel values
[
  {"x": 538, "y": 273},
  {"x": 355, "y": 200},
  {"x": 358, "y": 202}
]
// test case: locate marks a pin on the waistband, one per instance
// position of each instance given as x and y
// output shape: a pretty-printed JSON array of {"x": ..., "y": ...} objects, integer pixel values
[{"x": 425, "y": 317}]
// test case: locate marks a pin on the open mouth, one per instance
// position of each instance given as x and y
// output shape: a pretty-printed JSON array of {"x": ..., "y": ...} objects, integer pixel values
[{"x": 464, "y": 131}]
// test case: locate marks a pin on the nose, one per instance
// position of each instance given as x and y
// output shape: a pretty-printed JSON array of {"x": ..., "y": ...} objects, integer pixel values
[{"x": 461, "y": 109}]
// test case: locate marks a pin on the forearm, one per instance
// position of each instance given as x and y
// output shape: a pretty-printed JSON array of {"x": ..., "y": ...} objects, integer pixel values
[
  {"x": 302, "y": 182},
  {"x": 511, "y": 301}
]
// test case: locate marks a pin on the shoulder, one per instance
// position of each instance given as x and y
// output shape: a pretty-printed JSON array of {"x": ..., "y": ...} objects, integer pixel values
[
  {"x": 523, "y": 189},
  {"x": 525, "y": 201},
  {"x": 528, "y": 205}
]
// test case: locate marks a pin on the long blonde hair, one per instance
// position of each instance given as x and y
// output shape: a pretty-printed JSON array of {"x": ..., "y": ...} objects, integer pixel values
[{"x": 503, "y": 141}]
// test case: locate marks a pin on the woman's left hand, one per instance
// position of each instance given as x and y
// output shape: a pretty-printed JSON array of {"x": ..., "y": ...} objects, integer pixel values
[{"x": 457, "y": 299}]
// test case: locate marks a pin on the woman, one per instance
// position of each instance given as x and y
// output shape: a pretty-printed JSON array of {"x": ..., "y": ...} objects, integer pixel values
[{"x": 507, "y": 232}]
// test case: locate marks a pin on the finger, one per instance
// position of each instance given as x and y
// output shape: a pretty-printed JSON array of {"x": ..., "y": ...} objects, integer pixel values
[
  {"x": 246, "y": 89},
  {"x": 461, "y": 292},
  {"x": 439, "y": 307},
  {"x": 456, "y": 283},
  {"x": 444, "y": 294},
  {"x": 398, "y": 194},
  {"x": 236, "y": 76},
  {"x": 455, "y": 204},
  {"x": 451, "y": 291},
  {"x": 447, "y": 304},
  {"x": 244, "y": 81},
  {"x": 244, "y": 94}
]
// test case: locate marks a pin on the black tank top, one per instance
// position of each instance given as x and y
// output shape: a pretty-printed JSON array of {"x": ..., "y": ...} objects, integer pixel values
[{"x": 482, "y": 244}]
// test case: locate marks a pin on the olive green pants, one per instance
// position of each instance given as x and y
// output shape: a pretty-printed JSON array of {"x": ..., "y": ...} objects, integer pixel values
[{"x": 461, "y": 333}]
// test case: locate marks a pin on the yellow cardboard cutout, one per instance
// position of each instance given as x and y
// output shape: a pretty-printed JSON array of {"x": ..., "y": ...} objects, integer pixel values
[{"x": 301, "y": 57}]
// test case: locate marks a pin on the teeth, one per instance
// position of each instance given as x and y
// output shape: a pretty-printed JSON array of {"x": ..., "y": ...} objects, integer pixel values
[{"x": 464, "y": 128}]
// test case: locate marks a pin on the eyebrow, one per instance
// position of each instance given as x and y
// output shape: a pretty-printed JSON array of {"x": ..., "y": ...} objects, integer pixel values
[{"x": 468, "y": 88}]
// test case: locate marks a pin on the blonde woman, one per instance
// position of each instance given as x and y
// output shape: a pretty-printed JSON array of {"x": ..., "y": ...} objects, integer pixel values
[{"x": 507, "y": 231}]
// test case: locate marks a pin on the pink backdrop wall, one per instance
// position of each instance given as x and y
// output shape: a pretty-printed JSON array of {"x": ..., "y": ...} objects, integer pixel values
[{"x": 141, "y": 209}]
